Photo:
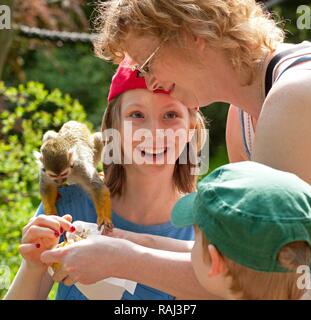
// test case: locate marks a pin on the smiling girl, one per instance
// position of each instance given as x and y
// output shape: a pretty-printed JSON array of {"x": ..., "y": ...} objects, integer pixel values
[{"x": 143, "y": 196}]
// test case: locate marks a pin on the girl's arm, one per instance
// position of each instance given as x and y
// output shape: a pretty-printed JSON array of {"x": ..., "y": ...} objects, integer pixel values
[
  {"x": 29, "y": 284},
  {"x": 168, "y": 271},
  {"x": 155, "y": 242},
  {"x": 32, "y": 280}
]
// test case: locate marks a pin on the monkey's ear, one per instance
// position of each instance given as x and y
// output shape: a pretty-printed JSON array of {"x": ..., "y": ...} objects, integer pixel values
[
  {"x": 38, "y": 157},
  {"x": 72, "y": 156},
  {"x": 49, "y": 135}
]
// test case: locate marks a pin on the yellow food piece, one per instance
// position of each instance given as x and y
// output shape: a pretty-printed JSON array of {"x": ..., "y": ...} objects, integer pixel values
[{"x": 56, "y": 266}]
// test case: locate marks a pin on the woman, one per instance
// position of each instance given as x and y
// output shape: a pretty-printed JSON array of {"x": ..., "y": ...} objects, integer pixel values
[
  {"x": 142, "y": 199},
  {"x": 230, "y": 51}
]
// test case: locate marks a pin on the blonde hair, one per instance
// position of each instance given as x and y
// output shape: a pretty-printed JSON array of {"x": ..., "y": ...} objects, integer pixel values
[
  {"x": 242, "y": 28},
  {"x": 184, "y": 180},
  {"x": 249, "y": 284}
]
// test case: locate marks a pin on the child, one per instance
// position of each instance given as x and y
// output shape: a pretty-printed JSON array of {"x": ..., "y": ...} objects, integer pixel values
[
  {"x": 143, "y": 196},
  {"x": 253, "y": 229}
]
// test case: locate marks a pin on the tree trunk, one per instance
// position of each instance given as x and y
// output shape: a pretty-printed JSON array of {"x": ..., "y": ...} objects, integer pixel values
[{"x": 6, "y": 37}]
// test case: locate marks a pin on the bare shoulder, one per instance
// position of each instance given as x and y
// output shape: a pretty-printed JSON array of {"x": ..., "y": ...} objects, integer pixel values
[{"x": 283, "y": 133}]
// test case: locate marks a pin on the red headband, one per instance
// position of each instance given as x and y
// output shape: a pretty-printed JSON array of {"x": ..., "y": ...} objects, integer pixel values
[{"x": 126, "y": 79}]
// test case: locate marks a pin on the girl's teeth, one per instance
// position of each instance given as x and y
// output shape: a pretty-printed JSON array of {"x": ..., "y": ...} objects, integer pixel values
[{"x": 154, "y": 152}]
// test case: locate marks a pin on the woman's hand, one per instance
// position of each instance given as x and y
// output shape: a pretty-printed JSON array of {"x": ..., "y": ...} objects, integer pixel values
[
  {"x": 40, "y": 234},
  {"x": 90, "y": 260}
]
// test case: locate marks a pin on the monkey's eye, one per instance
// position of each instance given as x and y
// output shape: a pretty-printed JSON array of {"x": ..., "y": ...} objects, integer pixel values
[
  {"x": 72, "y": 166},
  {"x": 43, "y": 170}
]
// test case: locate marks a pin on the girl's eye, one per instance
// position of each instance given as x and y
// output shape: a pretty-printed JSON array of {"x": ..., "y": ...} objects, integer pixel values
[
  {"x": 170, "y": 115},
  {"x": 136, "y": 115}
]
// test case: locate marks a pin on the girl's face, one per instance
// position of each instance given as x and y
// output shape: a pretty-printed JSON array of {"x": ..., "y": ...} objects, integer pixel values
[{"x": 155, "y": 128}]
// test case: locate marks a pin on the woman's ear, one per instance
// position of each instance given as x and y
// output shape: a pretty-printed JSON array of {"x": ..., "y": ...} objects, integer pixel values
[
  {"x": 200, "y": 43},
  {"x": 218, "y": 264}
]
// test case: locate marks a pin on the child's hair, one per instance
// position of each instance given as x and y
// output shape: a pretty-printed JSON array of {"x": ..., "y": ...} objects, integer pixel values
[
  {"x": 249, "y": 284},
  {"x": 242, "y": 28},
  {"x": 184, "y": 180}
]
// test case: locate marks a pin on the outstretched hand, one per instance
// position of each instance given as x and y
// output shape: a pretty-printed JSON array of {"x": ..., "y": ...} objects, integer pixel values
[{"x": 90, "y": 260}]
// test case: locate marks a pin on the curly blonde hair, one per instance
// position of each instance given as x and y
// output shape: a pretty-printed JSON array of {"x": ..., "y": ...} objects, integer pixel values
[{"x": 242, "y": 28}]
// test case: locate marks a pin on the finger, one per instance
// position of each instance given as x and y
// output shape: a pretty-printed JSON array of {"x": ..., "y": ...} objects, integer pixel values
[
  {"x": 68, "y": 217},
  {"x": 28, "y": 248},
  {"x": 59, "y": 224},
  {"x": 65, "y": 222},
  {"x": 35, "y": 232},
  {"x": 44, "y": 221},
  {"x": 68, "y": 281},
  {"x": 51, "y": 256}
]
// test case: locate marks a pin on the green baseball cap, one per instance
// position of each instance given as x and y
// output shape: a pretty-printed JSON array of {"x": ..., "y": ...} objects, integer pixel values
[{"x": 249, "y": 211}]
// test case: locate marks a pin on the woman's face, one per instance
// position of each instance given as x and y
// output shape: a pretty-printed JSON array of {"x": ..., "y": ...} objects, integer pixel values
[
  {"x": 155, "y": 128},
  {"x": 169, "y": 69}
]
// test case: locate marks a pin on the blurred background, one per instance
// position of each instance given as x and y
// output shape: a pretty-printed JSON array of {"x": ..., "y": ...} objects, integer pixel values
[{"x": 49, "y": 75}]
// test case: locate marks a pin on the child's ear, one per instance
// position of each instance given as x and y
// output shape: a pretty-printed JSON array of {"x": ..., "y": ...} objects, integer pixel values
[{"x": 218, "y": 264}]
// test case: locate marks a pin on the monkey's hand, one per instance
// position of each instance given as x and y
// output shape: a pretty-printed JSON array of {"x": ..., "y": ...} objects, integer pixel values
[{"x": 102, "y": 203}]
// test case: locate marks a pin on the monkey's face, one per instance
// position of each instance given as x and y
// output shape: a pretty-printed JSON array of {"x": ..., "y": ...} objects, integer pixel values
[
  {"x": 56, "y": 163},
  {"x": 58, "y": 178}
]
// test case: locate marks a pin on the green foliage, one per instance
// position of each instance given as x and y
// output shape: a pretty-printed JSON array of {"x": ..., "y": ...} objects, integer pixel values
[
  {"x": 26, "y": 112},
  {"x": 287, "y": 12},
  {"x": 73, "y": 69}
]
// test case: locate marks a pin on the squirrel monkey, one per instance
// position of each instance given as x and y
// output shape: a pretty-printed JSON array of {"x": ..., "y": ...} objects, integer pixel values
[{"x": 71, "y": 155}]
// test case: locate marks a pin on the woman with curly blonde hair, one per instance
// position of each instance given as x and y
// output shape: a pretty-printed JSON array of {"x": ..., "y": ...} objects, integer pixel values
[{"x": 232, "y": 51}]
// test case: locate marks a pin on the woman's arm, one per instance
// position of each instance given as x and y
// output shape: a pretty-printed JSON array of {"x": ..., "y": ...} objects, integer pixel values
[
  {"x": 106, "y": 257},
  {"x": 152, "y": 241},
  {"x": 29, "y": 284},
  {"x": 283, "y": 133}
]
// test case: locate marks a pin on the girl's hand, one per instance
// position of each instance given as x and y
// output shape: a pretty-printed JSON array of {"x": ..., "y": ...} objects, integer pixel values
[
  {"x": 40, "y": 234},
  {"x": 153, "y": 241}
]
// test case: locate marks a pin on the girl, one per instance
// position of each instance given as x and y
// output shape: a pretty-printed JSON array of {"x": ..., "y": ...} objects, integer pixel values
[{"x": 143, "y": 196}]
